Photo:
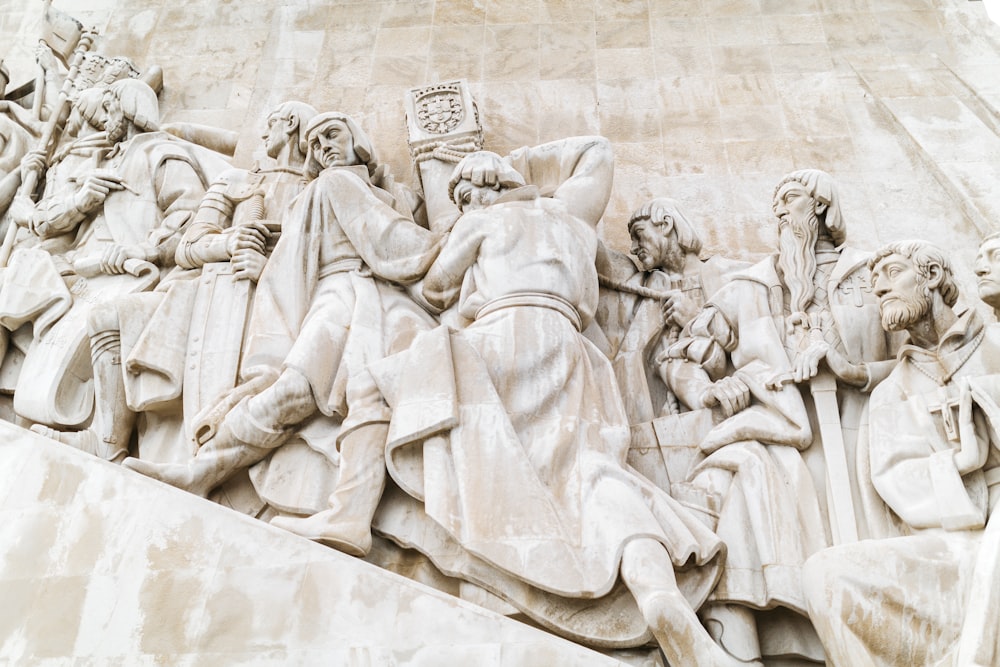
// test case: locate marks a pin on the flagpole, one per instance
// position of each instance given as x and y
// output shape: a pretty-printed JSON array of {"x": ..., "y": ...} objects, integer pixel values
[{"x": 30, "y": 179}]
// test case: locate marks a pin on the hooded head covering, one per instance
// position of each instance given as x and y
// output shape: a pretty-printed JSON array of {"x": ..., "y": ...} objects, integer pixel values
[
  {"x": 821, "y": 187},
  {"x": 362, "y": 144}
]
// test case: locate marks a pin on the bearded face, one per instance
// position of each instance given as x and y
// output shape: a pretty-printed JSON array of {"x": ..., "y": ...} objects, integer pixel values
[
  {"x": 798, "y": 231},
  {"x": 904, "y": 297},
  {"x": 901, "y": 312},
  {"x": 797, "y": 235},
  {"x": 655, "y": 246},
  {"x": 114, "y": 121}
]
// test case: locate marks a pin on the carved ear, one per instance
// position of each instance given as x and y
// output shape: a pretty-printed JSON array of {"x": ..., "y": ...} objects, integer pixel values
[
  {"x": 293, "y": 123},
  {"x": 667, "y": 224},
  {"x": 935, "y": 274},
  {"x": 820, "y": 207}
]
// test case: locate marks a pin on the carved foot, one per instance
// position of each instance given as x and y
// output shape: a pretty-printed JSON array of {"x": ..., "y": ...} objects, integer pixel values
[
  {"x": 175, "y": 474},
  {"x": 351, "y": 537},
  {"x": 85, "y": 441}
]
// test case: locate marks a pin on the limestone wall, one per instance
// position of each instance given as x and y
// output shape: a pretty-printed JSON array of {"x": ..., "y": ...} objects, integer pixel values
[{"x": 707, "y": 101}]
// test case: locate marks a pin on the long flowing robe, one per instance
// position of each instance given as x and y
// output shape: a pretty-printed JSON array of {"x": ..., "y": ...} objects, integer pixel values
[
  {"x": 932, "y": 595},
  {"x": 323, "y": 304},
  {"x": 509, "y": 438},
  {"x": 771, "y": 516}
]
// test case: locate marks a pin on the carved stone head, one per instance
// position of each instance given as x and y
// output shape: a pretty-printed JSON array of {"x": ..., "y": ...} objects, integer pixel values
[
  {"x": 88, "y": 109},
  {"x": 479, "y": 180},
  {"x": 285, "y": 126},
  {"x": 987, "y": 270},
  {"x": 907, "y": 278},
  {"x": 334, "y": 139},
  {"x": 130, "y": 102},
  {"x": 662, "y": 235},
  {"x": 811, "y": 191}
]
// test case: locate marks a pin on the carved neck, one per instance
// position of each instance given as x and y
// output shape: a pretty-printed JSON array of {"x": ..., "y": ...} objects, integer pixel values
[
  {"x": 291, "y": 157},
  {"x": 928, "y": 331}
]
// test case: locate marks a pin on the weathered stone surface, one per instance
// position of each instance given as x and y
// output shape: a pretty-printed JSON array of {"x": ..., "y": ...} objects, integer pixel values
[{"x": 103, "y": 566}]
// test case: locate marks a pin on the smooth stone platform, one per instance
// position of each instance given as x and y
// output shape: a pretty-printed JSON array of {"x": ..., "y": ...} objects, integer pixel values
[{"x": 101, "y": 566}]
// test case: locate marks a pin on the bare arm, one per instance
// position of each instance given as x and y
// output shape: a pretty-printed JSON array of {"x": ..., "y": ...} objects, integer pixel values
[
  {"x": 579, "y": 171},
  {"x": 443, "y": 281}
]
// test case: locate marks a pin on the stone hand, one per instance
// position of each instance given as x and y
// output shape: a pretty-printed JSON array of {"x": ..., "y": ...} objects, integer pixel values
[
  {"x": 45, "y": 58},
  {"x": 247, "y": 264},
  {"x": 95, "y": 188},
  {"x": 33, "y": 161},
  {"x": 252, "y": 236},
  {"x": 115, "y": 256},
  {"x": 975, "y": 443},
  {"x": 678, "y": 309},
  {"x": 730, "y": 393},
  {"x": 807, "y": 363}
]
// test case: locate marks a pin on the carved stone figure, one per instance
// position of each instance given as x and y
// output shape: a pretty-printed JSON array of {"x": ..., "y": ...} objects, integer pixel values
[
  {"x": 573, "y": 164},
  {"x": 987, "y": 270},
  {"x": 516, "y": 452},
  {"x": 774, "y": 324},
  {"x": 326, "y": 306},
  {"x": 114, "y": 209},
  {"x": 638, "y": 328},
  {"x": 14, "y": 144},
  {"x": 159, "y": 359},
  {"x": 929, "y": 597}
]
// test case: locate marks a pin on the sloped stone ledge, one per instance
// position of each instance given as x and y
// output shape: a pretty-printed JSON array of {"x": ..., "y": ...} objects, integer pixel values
[{"x": 99, "y": 565}]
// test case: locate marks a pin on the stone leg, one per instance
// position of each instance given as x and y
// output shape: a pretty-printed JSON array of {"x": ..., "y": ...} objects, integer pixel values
[
  {"x": 247, "y": 434},
  {"x": 734, "y": 628},
  {"x": 649, "y": 575},
  {"x": 346, "y": 525},
  {"x": 109, "y": 433}
]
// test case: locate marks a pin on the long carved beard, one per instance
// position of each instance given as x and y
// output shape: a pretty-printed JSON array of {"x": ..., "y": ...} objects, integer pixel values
[
  {"x": 797, "y": 259},
  {"x": 899, "y": 312}
]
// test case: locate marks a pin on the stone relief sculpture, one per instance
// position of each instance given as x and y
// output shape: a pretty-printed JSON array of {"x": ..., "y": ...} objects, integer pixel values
[
  {"x": 326, "y": 307},
  {"x": 756, "y": 340},
  {"x": 556, "y": 441},
  {"x": 934, "y": 461},
  {"x": 644, "y": 308},
  {"x": 629, "y": 451},
  {"x": 114, "y": 208},
  {"x": 185, "y": 337}
]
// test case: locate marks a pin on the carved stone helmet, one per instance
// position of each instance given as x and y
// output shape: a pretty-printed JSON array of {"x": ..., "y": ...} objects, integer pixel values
[
  {"x": 821, "y": 187},
  {"x": 138, "y": 103},
  {"x": 363, "y": 147},
  {"x": 475, "y": 166}
]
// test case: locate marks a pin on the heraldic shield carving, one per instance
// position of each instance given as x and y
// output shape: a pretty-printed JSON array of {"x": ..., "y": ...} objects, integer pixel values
[{"x": 439, "y": 109}]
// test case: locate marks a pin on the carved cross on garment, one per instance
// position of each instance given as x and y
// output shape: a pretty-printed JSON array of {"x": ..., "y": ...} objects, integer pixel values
[
  {"x": 948, "y": 407},
  {"x": 855, "y": 285}
]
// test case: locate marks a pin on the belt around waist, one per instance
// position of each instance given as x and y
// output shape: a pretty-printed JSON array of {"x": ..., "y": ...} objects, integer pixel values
[
  {"x": 533, "y": 300},
  {"x": 341, "y": 266}
]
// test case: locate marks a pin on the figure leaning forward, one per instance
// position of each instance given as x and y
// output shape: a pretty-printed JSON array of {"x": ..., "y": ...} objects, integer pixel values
[{"x": 327, "y": 305}]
